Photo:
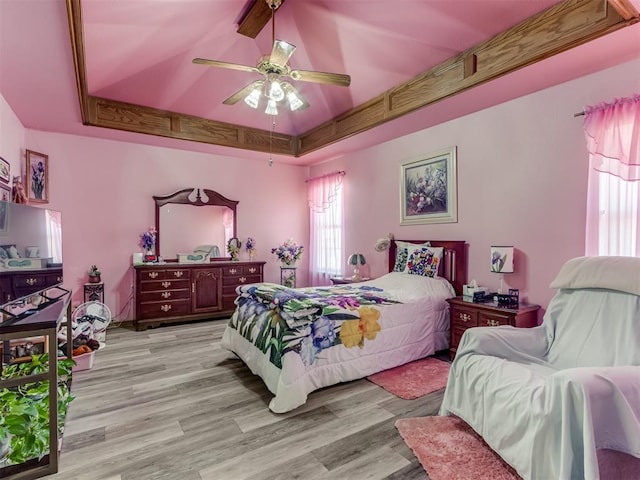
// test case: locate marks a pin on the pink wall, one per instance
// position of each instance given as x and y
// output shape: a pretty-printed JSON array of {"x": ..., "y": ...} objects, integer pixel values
[
  {"x": 104, "y": 190},
  {"x": 522, "y": 173},
  {"x": 12, "y": 138}
]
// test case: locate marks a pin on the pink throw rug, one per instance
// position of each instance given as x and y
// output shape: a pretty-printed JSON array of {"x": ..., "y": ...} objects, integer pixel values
[
  {"x": 449, "y": 449},
  {"x": 414, "y": 379}
]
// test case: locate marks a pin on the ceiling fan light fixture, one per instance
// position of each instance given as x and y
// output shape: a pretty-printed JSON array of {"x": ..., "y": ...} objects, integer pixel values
[
  {"x": 294, "y": 102},
  {"x": 272, "y": 108},
  {"x": 253, "y": 99},
  {"x": 275, "y": 91}
]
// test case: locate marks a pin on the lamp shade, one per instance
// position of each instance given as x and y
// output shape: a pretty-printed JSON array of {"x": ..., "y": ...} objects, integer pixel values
[
  {"x": 502, "y": 259},
  {"x": 357, "y": 259},
  {"x": 383, "y": 243}
]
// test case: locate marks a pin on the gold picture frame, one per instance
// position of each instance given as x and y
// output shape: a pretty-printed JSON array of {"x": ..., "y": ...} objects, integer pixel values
[
  {"x": 37, "y": 174},
  {"x": 428, "y": 189}
]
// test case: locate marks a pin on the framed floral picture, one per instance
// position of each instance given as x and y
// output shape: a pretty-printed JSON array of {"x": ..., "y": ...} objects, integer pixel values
[
  {"x": 5, "y": 170},
  {"x": 37, "y": 177},
  {"x": 428, "y": 189}
]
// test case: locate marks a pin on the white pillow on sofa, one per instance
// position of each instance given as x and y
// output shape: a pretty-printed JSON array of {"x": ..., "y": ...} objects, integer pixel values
[{"x": 613, "y": 273}]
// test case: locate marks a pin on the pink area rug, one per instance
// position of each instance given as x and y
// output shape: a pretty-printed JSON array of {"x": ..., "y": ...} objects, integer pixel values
[
  {"x": 414, "y": 379},
  {"x": 449, "y": 449}
]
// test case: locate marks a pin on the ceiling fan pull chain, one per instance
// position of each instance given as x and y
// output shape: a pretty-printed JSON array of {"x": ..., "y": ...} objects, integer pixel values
[{"x": 273, "y": 127}]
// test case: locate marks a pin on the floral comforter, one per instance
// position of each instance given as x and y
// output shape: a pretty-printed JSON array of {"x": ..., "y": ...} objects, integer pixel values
[{"x": 278, "y": 319}]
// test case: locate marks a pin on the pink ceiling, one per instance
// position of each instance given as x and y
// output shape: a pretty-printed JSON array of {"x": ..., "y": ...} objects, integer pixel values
[{"x": 140, "y": 51}]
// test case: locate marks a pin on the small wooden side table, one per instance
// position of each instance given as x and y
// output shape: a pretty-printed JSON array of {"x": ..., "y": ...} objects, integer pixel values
[
  {"x": 94, "y": 292},
  {"x": 464, "y": 314},
  {"x": 345, "y": 280},
  {"x": 288, "y": 276}
]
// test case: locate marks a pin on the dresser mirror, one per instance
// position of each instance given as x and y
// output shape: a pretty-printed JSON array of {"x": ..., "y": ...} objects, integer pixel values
[{"x": 192, "y": 218}]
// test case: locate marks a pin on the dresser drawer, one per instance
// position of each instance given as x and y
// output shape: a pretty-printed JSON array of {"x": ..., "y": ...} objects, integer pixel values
[
  {"x": 164, "y": 309},
  {"x": 236, "y": 280},
  {"x": 241, "y": 270},
  {"x": 164, "y": 273},
  {"x": 228, "y": 302},
  {"x": 161, "y": 285},
  {"x": 464, "y": 317},
  {"x": 164, "y": 295},
  {"x": 29, "y": 281},
  {"x": 493, "y": 319}
]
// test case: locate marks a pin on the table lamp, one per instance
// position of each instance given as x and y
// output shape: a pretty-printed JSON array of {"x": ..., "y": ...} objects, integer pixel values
[
  {"x": 356, "y": 259},
  {"x": 502, "y": 261}
]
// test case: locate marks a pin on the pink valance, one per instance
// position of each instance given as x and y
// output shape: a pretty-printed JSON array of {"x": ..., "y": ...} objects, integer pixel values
[
  {"x": 613, "y": 137},
  {"x": 321, "y": 191}
]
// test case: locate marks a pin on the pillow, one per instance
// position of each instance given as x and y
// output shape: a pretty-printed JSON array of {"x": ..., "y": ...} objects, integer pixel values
[
  {"x": 3, "y": 253},
  {"x": 402, "y": 252},
  {"x": 424, "y": 261},
  {"x": 613, "y": 273}
]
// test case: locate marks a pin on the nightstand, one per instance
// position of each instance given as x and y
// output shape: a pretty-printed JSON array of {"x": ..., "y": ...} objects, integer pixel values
[
  {"x": 465, "y": 314},
  {"x": 344, "y": 280}
]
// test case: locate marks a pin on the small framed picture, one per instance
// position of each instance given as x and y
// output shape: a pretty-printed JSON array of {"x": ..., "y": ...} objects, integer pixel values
[
  {"x": 5, "y": 193},
  {"x": 5, "y": 170},
  {"x": 37, "y": 177}
]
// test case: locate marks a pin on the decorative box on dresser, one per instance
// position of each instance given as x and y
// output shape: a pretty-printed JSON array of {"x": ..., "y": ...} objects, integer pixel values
[
  {"x": 180, "y": 292},
  {"x": 465, "y": 314}
]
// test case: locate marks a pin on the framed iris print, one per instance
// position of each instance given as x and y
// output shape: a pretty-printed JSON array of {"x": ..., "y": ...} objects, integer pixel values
[{"x": 37, "y": 177}]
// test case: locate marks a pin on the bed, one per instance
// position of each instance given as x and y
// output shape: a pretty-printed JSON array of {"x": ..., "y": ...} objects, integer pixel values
[{"x": 300, "y": 340}]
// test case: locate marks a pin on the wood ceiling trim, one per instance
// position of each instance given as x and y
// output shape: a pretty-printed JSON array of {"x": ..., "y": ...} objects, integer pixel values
[
  {"x": 152, "y": 121},
  {"x": 74, "y": 17},
  {"x": 564, "y": 26},
  {"x": 561, "y": 27},
  {"x": 257, "y": 16}
]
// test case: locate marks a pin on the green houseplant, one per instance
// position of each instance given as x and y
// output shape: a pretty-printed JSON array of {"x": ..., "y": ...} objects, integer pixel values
[
  {"x": 24, "y": 410},
  {"x": 94, "y": 274}
]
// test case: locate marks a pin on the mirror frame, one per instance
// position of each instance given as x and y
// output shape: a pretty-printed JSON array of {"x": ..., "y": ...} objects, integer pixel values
[{"x": 182, "y": 197}]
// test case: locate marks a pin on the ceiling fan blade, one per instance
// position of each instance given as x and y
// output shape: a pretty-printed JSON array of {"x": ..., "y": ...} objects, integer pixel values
[
  {"x": 281, "y": 52},
  {"x": 243, "y": 92},
  {"x": 338, "y": 79},
  {"x": 216, "y": 63}
]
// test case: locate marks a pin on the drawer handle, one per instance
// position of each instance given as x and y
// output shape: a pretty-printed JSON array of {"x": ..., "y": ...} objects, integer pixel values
[
  {"x": 165, "y": 308},
  {"x": 493, "y": 323},
  {"x": 465, "y": 317},
  {"x": 59, "y": 279},
  {"x": 232, "y": 271},
  {"x": 166, "y": 284},
  {"x": 32, "y": 281},
  {"x": 166, "y": 294},
  {"x": 193, "y": 287},
  {"x": 178, "y": 274},
  {"x": 153, "y": 274},
  {"x": 242, "y": 279},
  {"x": 252, "y": 270}
]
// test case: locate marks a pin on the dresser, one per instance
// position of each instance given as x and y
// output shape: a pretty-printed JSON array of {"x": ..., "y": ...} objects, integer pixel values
[
  {"x": 179, "y": 292},
  {"x": 20, "y": 282},
  {"x": 465, "y": 314}
]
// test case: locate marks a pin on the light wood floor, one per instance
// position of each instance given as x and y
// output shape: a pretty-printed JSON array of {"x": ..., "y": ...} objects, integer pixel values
[{"x": 170, "y": 403}]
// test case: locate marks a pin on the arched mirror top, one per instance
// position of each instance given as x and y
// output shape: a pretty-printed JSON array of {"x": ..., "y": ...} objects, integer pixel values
[{"x": 182, "y": 229}]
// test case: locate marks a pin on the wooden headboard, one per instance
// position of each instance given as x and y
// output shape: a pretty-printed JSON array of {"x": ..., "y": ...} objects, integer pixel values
[{"x": 454, "y": 261}]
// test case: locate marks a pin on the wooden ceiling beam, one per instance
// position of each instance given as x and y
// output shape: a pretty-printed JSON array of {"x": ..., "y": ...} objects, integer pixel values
[
  {"x": 255, "y": 19},
  {"x": 625, "y": 8},
  {"x": 561, "y": 27},
  {"x": 152, "y": 121}
]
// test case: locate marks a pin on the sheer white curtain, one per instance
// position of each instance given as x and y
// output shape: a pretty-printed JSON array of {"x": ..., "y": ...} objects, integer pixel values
[
  {"x": 613, "y": 199},
  {"x": 326, "y": 251}
]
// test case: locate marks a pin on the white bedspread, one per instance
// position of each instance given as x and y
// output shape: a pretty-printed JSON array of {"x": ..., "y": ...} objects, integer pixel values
[
  {"x": 409, "y": 331},
  {"x": 548, "y": 398}
]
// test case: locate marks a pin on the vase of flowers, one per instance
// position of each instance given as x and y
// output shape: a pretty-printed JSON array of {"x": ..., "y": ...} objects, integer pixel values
[
  {"x": 250, "y": 246},
  {"x": 147, "y": 242},
  {"x": 288, "y": 253}
]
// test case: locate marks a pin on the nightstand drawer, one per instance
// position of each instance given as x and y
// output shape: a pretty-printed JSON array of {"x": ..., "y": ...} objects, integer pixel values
[
  {"x": 493, "y": 319},
  {"x": 464, "y": 317}
]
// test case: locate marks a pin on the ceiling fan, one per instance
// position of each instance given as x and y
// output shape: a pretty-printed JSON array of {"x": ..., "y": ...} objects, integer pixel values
[{"x": 274, "y": 67}]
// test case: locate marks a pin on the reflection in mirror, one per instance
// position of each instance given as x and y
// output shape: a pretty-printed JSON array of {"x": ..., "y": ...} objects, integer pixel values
[{"x": 182, "y": 228}]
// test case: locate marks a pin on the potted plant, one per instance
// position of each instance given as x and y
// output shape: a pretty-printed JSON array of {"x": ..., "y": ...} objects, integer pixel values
[
  {"x": 94, "y": 274},
  {"x": 24, "y": 410}
]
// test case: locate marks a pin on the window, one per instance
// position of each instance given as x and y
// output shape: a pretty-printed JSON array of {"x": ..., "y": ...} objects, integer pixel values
[
  {"x": 326, "y": 205},
  {"x": 613, "y": 199}
]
